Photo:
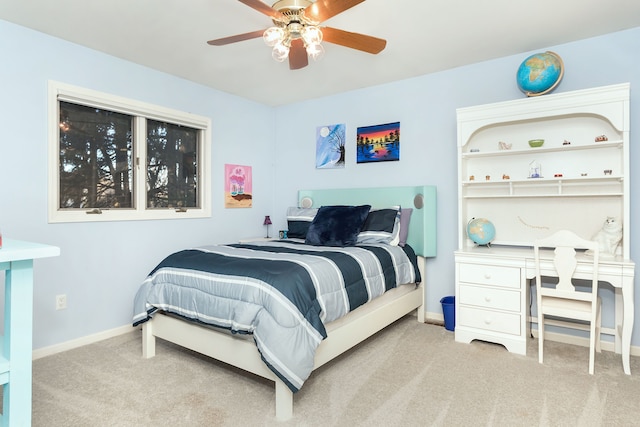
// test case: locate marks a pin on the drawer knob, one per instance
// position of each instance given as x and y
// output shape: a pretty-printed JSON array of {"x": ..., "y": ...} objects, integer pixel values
[
  {"x": 487, "y": 321},
  {"x": 487, "y": 299},
  {"x": 487, "y": 275}
]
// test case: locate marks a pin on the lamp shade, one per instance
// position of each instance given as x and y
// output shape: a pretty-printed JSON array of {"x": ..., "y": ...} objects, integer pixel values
[
  {"x": 315, "y": 51},
  {"x": 280, "y": 52},
  {"x": 267, "y": 220},
  {"x": 311, "y": 35},
  {"x": 273, "y": 35}
]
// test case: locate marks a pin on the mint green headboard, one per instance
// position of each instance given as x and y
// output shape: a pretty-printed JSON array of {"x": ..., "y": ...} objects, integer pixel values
[{"x": 422, "y": 228}]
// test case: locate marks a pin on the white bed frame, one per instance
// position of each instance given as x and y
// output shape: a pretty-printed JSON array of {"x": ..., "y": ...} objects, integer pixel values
[{"x": 343, "y": 333}]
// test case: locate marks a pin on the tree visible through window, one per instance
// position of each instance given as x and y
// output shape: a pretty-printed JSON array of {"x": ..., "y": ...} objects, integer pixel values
[
  {"x": 172, "y": 174},
  {"x": 96, "y": 160}
]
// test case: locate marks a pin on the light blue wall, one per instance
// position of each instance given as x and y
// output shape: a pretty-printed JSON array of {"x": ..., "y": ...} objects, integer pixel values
[
  {"x": 426, "y": 108},
  {"x": 100, "y": 296},
  {"x": 102, "y": 264}
]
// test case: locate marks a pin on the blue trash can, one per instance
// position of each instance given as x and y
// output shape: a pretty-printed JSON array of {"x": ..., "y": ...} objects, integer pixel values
[{"x": 449, "y": 312}]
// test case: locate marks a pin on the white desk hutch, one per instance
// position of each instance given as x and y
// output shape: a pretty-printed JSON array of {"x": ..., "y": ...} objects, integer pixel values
[{"x": 580, "y": 179}]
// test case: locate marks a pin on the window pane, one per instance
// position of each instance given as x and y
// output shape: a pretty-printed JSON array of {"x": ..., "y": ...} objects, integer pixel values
[
  {"x": 95, "y": 158},
  {"x": 172, "y": 165}
]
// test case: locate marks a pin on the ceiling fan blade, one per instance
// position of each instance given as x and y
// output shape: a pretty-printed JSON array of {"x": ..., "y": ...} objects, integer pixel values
[
  {"x": 265, "y": 9},
  {"x": 297, "y": 55},
  {"x": 357, "y": 41},
  {"x": 237, "y": 38},
  {"x": 322, "y": 10}
]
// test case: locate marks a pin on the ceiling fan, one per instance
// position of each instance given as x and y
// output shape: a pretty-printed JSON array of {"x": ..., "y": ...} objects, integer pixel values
[{"x": 296, "y": 33}]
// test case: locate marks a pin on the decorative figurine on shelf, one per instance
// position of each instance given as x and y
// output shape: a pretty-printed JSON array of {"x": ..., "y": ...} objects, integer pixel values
[
  {"x": 535, "y": 170},
  {"x": 505, "y": 176},
  {"x": 566, "y": 142},
  {"x": 607, "y": 171},
  {"x": 267, "y": 222},
  {"x": 601, "y": 138},
  {"x": 487, "y": 178},
  {"x": 472, "y": 177},
  {"x": 609, "y": 237},
  {"x": 504, "y": 145},
  {"x": 536, "y": 143}
]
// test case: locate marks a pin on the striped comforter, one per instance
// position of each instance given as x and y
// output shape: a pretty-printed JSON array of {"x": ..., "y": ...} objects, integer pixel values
[{"x": 282, "y": 292}]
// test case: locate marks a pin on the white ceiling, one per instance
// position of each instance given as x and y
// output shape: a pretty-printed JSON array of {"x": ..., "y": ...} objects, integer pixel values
[{"x": 423, "y": 36}]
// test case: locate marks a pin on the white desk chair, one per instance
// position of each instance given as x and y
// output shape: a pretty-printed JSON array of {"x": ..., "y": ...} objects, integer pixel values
[{"x": 563, "y": 300}]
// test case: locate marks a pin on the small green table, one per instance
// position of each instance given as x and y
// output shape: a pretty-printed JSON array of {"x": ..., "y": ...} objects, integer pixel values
[{"x": 16, "y": 260}]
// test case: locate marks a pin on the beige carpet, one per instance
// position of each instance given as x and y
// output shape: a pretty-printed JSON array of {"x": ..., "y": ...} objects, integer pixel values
[{"x": 410, "y": 374}]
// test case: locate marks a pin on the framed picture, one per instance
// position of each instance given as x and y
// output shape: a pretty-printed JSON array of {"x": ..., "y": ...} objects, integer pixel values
[
  {"x": 330, "y": 146},
  {"x": 378, "y": 143},
  {"x": 237, "y": 186}
]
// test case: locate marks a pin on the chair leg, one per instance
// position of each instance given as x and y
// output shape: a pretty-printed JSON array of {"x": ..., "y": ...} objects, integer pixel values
[
  {"x": 598, "y": 328},
  {"x": 592, "y": 346},
  {"x": 540, "y": 336}
]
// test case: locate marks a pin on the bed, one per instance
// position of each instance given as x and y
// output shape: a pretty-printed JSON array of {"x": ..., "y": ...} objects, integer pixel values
[{"x": 319, "y": 334}]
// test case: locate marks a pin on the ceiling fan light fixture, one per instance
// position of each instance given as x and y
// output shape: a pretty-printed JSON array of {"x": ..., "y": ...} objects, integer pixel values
[
  {"x": 295, "y": 33},
  {"x": 311, "y": 35},
  {"x": 280, "y": 52},
  {"x": 315, "y": 51},
  {"x": 273, "y": 36}
]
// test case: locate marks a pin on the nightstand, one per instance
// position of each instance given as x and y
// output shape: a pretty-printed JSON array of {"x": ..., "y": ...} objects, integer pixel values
[{"x": 256, "y": 239}]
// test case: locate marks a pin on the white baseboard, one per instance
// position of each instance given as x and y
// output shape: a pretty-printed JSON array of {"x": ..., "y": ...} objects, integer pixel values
[
  {"x": 434, "y": 318},
  {"x": 79, "y": 342}
]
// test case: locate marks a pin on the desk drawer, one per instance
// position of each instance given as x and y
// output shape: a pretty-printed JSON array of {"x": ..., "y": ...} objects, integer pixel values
[
  {"x": 490, "y": 297},
  {"x": 508, "y": 277},
  {"x": 496, "y": 321}
]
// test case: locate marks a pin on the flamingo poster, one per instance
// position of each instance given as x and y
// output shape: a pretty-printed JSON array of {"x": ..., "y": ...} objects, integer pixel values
[
  {"x": 237, "y": 186},
  {"x": 378, "y": 143}
]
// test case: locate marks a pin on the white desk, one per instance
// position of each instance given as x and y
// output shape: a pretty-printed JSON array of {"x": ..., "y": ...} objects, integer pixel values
[
  {"x": 16, "y": 259},
  {"x": 491, "y": 289}
]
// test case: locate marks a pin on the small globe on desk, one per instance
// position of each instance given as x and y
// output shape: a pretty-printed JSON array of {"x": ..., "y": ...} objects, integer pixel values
[
  {"x": 481, "y": 231},
  {"x": 540, "y": 73}
]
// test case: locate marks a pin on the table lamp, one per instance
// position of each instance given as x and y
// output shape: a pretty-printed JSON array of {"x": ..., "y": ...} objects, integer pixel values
[{"x": 267, "y": 222}]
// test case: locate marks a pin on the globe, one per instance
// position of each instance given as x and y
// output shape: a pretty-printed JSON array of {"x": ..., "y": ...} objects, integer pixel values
[
  {"x": 481, "y": 231},
  {"x": 540, "y": 73}
]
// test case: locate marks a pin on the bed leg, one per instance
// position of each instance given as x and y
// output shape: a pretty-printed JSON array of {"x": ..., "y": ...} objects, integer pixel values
[
  {"x": 284, "y": 401},
  {"x": 148, "y": 340},
  {"x": 420, "y": 314},
  {"x": 422, "y": 267}
]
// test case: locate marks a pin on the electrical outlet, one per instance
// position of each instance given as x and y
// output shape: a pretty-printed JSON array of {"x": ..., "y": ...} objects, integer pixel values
[{"x": 61, "y": 302}]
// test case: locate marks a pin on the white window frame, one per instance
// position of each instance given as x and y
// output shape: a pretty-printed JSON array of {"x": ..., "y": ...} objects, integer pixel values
[{"x": 141, "y": 111}]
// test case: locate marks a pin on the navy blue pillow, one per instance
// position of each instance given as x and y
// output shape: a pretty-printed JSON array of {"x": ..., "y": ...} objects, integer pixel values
[
  {"x": 381, "y": 226},
  {"x": 337, "y": 225},
  {"x": 299, "y": 220}
]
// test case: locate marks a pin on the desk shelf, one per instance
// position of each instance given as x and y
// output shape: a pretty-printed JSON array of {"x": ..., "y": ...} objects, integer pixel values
[
  {"x": 545, "y": 187},
  {"x": 542, "y": 150}
]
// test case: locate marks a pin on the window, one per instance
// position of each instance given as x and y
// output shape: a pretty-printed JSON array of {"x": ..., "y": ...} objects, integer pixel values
[{"x": 116, "y": 159}]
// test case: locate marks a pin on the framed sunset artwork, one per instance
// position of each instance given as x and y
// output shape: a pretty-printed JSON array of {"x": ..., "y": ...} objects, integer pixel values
[{"x": 378, "y": 143}]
